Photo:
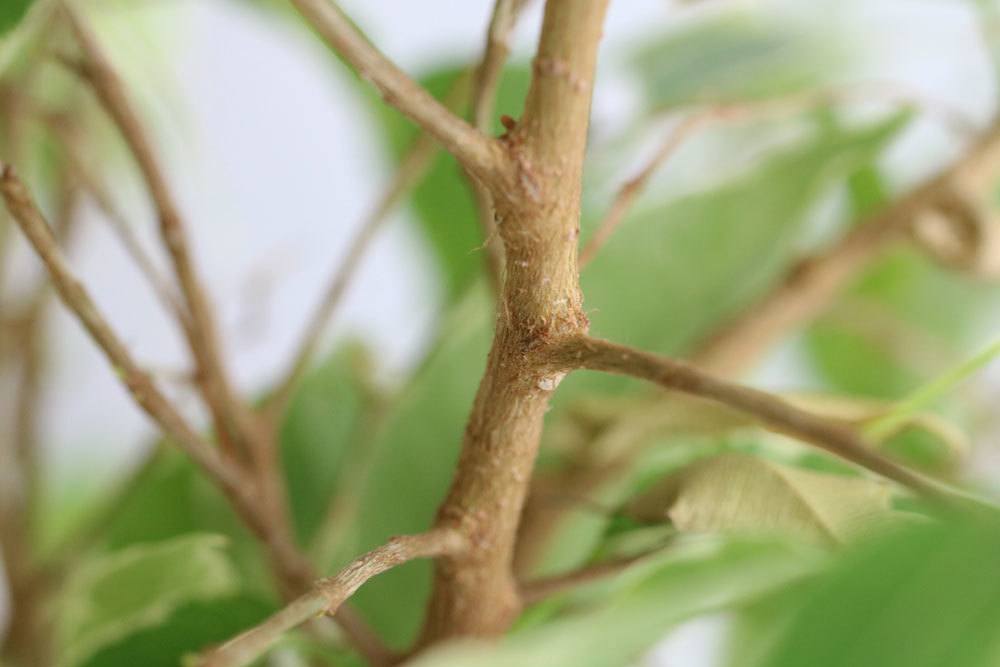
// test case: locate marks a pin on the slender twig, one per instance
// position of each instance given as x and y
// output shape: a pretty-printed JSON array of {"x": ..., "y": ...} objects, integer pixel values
[
  {"x": 810, "y": 285},
  {"x": 773, "y": 412},
  {"x": 488, "y": 75},
  {"x": 480, "y": 154},
  {"x": 409, "y": 173},
  {"x": 736, "y": 113},
  {"x": 120, "y": 226},
  {"x": 328, "y": 594},
  {"x": 536, "y": 590},
  {"x": 203, "y": 340},
  {"x": 634, "y": 186},
  {"x": 76, "y": 298}
]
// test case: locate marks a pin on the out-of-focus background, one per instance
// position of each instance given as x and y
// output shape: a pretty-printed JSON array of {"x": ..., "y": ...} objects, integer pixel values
[
  {"x": 276, "y": 156},
  {"x": 276, "y": 159}
]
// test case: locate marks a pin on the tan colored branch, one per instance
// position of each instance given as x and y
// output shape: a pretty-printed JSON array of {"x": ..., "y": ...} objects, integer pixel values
[
  {"x": 78, "y": 300},
  {"x": 633, "y": 187},
  {"x": 540, "y": 302},
  {"x": 537, "y": 590},
  {"x": 328, "y": 594},
  {"x": 773, "y": 412},
  {"x": 730, "y": 113},
  {"x": 202, "y": 335},
  {"x": 120, "y": 226},
  {"x": 809, "y": 286},
  {"x": 487, "y": 81},
  {"x": 480, "y": 154}
]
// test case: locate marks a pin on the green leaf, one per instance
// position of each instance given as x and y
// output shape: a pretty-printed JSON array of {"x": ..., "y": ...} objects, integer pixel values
[
  {"x": 11, "y": 13},
  {"x": 118, "y": 594},
  {"x": 925, "y": 597},
  {"x": 320, "y": 427},
  {"x": 413, "y": 466},
  {"x": 176, "y": 493},
  {"x": 739, "y": 493},
  {"x": 903, "y": 323},
  {"x": 637, "y": 608},
  {"x": 734, "y": 56},
  {"x": 443, "y": 203},
  {"x": 676, "y": 268},
  {"x": 189, "y": 629}
]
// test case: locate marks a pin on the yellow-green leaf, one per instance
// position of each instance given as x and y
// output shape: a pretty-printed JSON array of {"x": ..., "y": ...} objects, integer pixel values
[{"x": 739, "y": 493}]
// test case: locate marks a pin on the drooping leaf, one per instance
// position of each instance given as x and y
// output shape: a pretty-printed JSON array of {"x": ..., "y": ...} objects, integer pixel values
[
  {"x": 739, "y": 493},
  {"x": 924, "y": 597},
  {"x": 138, "y": 588},
  {"x": 635, "y": 610}
]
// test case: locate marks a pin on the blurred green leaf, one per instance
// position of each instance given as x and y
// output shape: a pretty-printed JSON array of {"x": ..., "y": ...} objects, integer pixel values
[
  {"x": 734, "y": 56},
  {"x": 189, "y": 629},
  {"x": 925, "y": 396},
  {"x": 739, "y": 493},
  {"x": 171, "y": 498},
  {"x": 927, "y": 596},
  {"x": 414, "y": 462},
  {"x": 116, "y": 595},
  {"x": 320, "y": 427},
  {"x": 902, "y": 324},
  {"x": 11, "y": 13},
  {"x": 641, "y": 604},
  {"x": 676, "y": 268},
  {"x": 443, "y": 202}
]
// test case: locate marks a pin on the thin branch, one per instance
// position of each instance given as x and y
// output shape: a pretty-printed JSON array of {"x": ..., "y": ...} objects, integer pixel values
[
  {"x": 203, "y": 340},
  {"x": 328, "y": 594},
  {"x": 488, "y": 75},
  {"x": 958, "y": 123},
  {"x": 537, "y": 590},
  {"x": 120, "y": 226},
  {"x": 773, "y": 412},
  {"x": 480, "y": 154},
  {"x": 76, "y": 298},
  {"x": 632, "y": 188},
  {"x": 809, "y": 286},
  {"x": 409, "y": 173}
]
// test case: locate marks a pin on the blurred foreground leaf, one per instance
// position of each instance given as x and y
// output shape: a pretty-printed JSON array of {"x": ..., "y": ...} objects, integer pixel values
[
  {"x": 640, "y": 605},
  {"x": 925, "y": 597}
]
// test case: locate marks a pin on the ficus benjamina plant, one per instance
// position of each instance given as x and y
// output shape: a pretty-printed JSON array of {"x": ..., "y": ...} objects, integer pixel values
[{"x": 578, "y": 462}]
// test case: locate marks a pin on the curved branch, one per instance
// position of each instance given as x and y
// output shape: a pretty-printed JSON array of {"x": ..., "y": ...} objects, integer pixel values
[
  {"x": 773, "y": 412},
  {"x": 75, "y": 296},
  {"x": 810, "y": 285},
  {"x": 480, "y": 154},
  {"x": 200, "y": 328},
  {"x": 328, "y": 594}
]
